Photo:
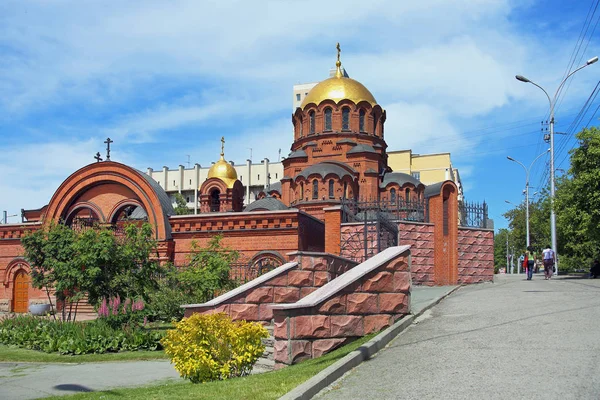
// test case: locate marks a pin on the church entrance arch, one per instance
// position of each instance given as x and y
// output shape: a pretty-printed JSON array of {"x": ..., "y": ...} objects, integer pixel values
[{"x": 21, "y": 292}]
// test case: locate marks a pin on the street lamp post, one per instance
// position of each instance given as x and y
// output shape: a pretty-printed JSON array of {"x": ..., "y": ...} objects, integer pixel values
[
  {"x": 552, "y": 171},
  {"x": 527, "y": 171}
]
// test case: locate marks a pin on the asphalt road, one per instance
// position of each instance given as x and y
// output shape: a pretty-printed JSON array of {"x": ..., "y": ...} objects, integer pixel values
[{"x": 514, "y": 339}]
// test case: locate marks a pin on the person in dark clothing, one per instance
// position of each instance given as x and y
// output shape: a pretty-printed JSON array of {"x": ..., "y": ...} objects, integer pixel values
[{"x": 595, "y": 270}]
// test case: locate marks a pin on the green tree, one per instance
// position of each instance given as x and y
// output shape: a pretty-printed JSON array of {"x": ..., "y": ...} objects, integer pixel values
[
  {"x": 208, "y": 270},
  {"x": 206, "y": 275},
  {"x": 93, "y": 262},
  {"x": 181, "y": 205},
  {"x": 578, "y": 203}
]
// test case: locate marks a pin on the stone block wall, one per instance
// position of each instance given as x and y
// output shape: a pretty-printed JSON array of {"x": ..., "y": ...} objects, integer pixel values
[
  {"x": 419, "y": 236},
  {"x": 366, "y": 299},
  {"x": 304, "y": 274},
  {"x": 475, "y": 255}
]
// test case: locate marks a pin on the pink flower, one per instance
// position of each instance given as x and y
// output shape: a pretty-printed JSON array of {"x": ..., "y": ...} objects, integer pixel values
[{"x": 103, "y": 310}]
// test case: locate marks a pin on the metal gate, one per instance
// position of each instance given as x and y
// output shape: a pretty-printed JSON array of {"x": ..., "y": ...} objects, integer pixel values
[{"x": 367, "y": 229}]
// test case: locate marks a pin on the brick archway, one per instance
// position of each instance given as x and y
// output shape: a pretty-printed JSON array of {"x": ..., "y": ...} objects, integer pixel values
[
  {"x": 16, "y": 266},
  {"x": 147, "y": 193}
]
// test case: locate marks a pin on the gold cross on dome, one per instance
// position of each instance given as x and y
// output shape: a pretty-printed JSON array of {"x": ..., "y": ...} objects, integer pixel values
[
  {"x": 222, "y": 146},
  {"x": 339, "y": 50}
]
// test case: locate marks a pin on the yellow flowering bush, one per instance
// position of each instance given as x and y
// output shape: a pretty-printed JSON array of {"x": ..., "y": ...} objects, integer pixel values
[{"x": 210, "y": 347}]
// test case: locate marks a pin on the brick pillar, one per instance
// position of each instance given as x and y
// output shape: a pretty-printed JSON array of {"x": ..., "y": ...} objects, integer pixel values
[
  {"x": 443, "y": 213},
  {"x": 333, "y": 229}
]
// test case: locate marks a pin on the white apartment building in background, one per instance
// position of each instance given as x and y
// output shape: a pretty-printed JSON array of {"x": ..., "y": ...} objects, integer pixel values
[{"x": 255, "y": 177}]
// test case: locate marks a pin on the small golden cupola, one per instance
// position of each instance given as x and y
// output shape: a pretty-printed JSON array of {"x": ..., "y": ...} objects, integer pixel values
[
  {"x": 338, "y": 88},
  {"x": 222, "y": 169}
]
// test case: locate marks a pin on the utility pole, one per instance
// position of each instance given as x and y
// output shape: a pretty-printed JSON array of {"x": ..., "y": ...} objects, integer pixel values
[{"x": 552, "y": 103}]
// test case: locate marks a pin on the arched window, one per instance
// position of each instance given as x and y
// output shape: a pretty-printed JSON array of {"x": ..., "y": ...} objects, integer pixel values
[
  {"x": 345, "y": 119},
  {"x": 345, "y": 194},
  {"x": 301, "y": 127},
  {"x": 315, "y": 190},
  {"x": 361, "y": 121},
  {"x": 374, "y": 125},
  {"x": 302, "y": 191},
  {"x": 393, "y": 196},
  {"x": 312, "y": 122},
  {"x": 215, "y": 204},
  {"x": 327, "y": 119},
  {"x": 331, "y": 194},
  {"x": 407, "y": 195}
]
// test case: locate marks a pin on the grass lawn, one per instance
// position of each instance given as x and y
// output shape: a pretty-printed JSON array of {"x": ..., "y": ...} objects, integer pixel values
[
  {"x": 270, "y": 385},
  {"x": 14, "y": 354}
]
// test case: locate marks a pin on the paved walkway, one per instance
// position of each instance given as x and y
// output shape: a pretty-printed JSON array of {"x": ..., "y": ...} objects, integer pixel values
[{"x": 514, "y": 339}]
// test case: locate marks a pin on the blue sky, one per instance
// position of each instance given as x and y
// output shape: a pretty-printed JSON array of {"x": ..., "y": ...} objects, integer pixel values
[{"x": 168, "y": 79}]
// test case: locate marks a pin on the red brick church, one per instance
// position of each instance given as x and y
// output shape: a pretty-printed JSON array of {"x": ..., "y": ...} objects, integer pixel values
[{"x": 337, "y": 196}]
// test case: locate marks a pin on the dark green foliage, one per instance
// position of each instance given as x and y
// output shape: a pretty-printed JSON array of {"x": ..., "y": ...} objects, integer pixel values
[
  {"x": 181, "y": 205},
  {"x": 93, "y": 262},
  {"x": 205, "y": 276},
  {"x": 75, "y": 337},
  {"x": 578, "y": 204}
]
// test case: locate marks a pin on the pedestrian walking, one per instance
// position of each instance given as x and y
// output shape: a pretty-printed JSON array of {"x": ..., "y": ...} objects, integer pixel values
[
  {"x": 530, "y": 257},
  {"x": 549, "y": 259},
  {"x": 595, "y": 270}
]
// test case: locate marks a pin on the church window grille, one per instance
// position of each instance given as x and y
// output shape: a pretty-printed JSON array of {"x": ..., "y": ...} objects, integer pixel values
[
  {"x": 331, "y": 193},
  {"x": 315, "y": 191},
  {"x": 328, "y": 119},
  {"x": 215, "y": 204},
  {"x": 393, "y": 196},
  {"x": 361, "y": 121},
  {"x": 312, "y": 122},
  {"x": 345, "y": 119},
  {"x": 407, "y": 195}
]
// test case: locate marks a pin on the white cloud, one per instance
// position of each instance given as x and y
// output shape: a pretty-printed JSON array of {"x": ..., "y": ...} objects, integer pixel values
[{"x": 143, "y": 73}]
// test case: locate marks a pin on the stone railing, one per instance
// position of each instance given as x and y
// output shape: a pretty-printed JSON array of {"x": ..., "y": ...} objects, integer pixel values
[
  {"x": 365, "y": 299},
  {"x": 305, "y": 273}
]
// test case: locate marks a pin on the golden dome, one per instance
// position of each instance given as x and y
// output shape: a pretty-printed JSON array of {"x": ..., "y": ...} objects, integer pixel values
[
  {"x": 338, "y": 88},
  {"x": 223, "y": 170}
]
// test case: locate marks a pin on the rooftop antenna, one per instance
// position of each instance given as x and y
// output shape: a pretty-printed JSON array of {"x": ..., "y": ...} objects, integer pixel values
[
  {"x": 188, "y": 161},
  {"x": 250, "y": 154},
  {"x": 279, "y": 156}
]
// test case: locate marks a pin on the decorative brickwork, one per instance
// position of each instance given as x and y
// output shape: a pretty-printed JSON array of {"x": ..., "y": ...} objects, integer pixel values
[
  {"x": 419, "y": 236},
  {"x": 475, "y": 255},
  {"x": 366, "y": 299}
]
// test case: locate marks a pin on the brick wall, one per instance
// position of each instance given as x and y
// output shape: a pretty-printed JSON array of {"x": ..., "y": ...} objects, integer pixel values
[
  {"x": 368, "y": 298},
  {"x": 249, "y": 233},
  {"x": 475, "y": 255},
  {"x": 11, "y": 252},
  {"x": 286, "y": 284},
  {"x": 419, "y": 236}
]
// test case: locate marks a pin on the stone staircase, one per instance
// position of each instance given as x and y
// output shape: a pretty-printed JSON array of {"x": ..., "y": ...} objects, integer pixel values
[{"x": 266, "y": 363}]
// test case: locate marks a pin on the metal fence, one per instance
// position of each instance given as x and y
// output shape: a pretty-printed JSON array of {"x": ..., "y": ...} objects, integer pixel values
[
  {"x": 392, "y": 210},
  {"x": 474, "y": 215}
]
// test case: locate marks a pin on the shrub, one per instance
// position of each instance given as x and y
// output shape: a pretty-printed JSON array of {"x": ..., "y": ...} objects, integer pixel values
[
  {"x": 211, "y": 347},
  {"x": 75, "y": 337}
]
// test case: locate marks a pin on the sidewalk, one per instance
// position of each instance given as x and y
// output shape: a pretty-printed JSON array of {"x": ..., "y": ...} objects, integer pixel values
[{"x": 483, "y": 341}]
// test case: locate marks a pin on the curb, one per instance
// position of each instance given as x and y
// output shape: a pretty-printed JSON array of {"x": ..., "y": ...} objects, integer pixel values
[{"x": 320, "y": 381}]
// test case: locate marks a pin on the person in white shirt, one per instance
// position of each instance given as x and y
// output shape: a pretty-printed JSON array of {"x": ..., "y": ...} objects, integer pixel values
[{"x": 549, "y": 259}]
